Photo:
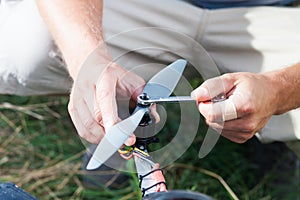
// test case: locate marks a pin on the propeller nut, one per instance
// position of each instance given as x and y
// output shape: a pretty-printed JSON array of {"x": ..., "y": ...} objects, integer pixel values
[{"x": 142, "y": 100}]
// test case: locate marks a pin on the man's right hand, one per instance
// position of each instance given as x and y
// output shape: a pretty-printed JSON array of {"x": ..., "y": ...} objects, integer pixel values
[{"x": 93, "y": 106}]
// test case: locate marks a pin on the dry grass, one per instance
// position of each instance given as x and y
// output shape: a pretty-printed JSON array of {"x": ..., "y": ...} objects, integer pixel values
[
  {"x": 26, "y": 158},
  {"x": 41, "y": 152}
]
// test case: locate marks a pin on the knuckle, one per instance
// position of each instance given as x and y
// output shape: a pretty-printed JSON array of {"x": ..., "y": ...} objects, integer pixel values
[
  {"x": 208, "y": 120},
  {"x": 245, "y": 138},
  {"x": 233, "y": 139},
  {"x": 112, "y": 70},
  {"x": 241, "y": 140},
  {"x": 211, "y": 117},
  {"x": 249, "y": 136},
  {"x": 84, "y": 135},
  {"x": 71, "y": 108},
  {"x": 250, "y": 127},
  {"x": 248, "y": 108},
  {"x": 98, "y": 115},
  {"x": 88, "y": 123},
  {"x": 226, "y": 76}
]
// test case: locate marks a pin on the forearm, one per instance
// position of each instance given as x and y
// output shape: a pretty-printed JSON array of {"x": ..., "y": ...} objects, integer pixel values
[
  {"x": 76, "y": 26},
  {"x": 287, "y": 84}
]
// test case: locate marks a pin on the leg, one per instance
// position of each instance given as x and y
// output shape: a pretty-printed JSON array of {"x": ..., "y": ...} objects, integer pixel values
[
  {"x": 239, "y": 39},
  {"x": 151, "y": 31}
]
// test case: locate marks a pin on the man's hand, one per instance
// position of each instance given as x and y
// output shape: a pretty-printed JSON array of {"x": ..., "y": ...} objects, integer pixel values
[
  {"x": 255, "y": 97},
  {"x": 93, "y": 106}
]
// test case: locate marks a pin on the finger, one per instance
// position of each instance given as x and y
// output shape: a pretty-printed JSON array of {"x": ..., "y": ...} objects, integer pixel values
[
  {"x": 93, "y": 127},
  {"x": 106, "y": 98},
  {"x": 228, "y": 110},
  {"x": 237, "y": 125},
  {"x": 218, "y": 112},
  {"x": 91, "y": 132},
  {"x": 131, "y": 140},
  {"x": 155, "y": 113},
  {"x": 236, "y": 137},
  {"x": 234, "y": 130},
  {"x": 132, "y": 84},
  {"x": 89, "y": 121},
  {"x": 97, "y": 111},
  {"x": 214, "y": 87}
]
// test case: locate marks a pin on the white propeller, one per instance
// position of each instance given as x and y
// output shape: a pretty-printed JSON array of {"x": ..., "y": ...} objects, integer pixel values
[{"x": 160, "y": 85}]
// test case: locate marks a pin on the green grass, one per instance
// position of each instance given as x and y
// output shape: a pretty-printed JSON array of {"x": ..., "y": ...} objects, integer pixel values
[{"x": 41, "y": 152}]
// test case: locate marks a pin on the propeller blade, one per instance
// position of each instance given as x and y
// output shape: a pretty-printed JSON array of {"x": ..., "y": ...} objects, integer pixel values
[
  {"x": 210, "y": 140},
  {"x": 114, "y": 139},
  {"x": 163, "y": 83},
  {"x": 160, "y": 85}
]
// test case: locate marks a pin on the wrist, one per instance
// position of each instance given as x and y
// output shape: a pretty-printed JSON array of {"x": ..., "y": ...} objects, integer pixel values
[
  {"x": 76, "y": 27},
  {"x": 78, "y": 59},
  {"x": 285, "y": 87},
  {"x": 92, "y": 64}
]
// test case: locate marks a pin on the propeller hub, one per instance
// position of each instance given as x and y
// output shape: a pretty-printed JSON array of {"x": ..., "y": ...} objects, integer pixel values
[
  {"x": 143, "y": 103},
  {"x": 142, "y": 100}
]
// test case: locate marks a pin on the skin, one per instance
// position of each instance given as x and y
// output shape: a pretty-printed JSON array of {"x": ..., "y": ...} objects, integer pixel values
[
  {"x": 256, "y": 97},
  {"x": 76, "y": 27}
]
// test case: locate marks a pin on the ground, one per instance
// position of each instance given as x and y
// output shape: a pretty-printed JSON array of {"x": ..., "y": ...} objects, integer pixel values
[{"x": 42, "y": 153}]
